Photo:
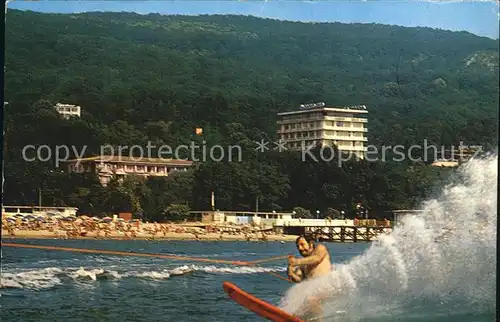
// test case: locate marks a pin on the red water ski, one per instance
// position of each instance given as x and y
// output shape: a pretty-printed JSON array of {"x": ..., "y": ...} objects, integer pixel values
[{"x": 257, "y": 305}]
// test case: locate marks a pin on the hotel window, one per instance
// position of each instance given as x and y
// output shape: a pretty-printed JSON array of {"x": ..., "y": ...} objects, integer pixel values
[{"x": 340, "y": 124}]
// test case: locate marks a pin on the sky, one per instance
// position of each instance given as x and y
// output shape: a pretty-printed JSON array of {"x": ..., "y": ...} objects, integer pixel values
[{"x": 480, "y": 17}]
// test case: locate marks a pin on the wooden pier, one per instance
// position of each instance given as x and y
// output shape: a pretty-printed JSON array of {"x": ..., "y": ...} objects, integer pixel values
[{"x": 342, "y": 234}]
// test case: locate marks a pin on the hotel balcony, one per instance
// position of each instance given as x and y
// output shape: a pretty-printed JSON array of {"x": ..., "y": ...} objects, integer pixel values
[
  {"x": 323, "y": 127},
  {"x": 344, "y": 128},
  {"x": 301, "y": 120},
  {"x": 345, "y": 119},
  {"x": 345, "y": 138}
]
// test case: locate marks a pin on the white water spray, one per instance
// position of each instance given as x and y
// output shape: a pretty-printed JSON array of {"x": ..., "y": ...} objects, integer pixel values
[{"x": 439, "y": 263}]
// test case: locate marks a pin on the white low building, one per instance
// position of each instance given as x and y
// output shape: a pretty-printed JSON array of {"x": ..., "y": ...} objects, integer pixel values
[
  {"x": 314, "y": 222},
  {"x": 37, "y": 211},
  {"x": 68, "y": 110},
  {"x": 263, "y": 219}
]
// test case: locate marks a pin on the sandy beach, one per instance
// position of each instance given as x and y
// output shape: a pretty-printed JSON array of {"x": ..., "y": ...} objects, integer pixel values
[
  {"x": 46, "y": 234},
  {"x": 87, "y": 228}
]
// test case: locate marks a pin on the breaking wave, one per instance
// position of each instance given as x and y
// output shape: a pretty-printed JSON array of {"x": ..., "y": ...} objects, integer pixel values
[
  {"x": 442, "y": 262},
  {"x": 49, "y": 277}
]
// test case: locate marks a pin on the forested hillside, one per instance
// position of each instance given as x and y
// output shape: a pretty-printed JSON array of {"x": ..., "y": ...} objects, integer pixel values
[{"x": 156, "y": 78}]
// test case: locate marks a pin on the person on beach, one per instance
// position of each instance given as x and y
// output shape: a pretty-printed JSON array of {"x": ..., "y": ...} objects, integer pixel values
[{"x": 315, "y": 262}]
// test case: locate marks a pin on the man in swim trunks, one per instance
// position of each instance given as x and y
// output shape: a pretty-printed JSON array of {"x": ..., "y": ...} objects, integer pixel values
[{"x": 315, "y": 263}]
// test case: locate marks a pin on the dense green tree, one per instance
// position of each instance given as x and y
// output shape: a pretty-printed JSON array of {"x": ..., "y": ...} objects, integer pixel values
[
  {"x": 175, "y": 212},
  {"x": 154, "y": 79}
]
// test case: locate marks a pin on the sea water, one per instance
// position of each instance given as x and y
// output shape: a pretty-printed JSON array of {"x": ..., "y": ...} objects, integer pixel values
[
  {"x": 40, "y": 285},
  {"x": 439, "y": 265}
]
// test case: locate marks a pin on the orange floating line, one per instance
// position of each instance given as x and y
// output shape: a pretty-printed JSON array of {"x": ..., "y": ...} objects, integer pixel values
[{"x": 113, "y": 252}]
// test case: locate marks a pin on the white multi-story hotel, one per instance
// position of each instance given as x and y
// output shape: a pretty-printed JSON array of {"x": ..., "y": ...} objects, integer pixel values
[
  {"x": 68, "y": 110},
  {"x": 315, "y": 124},
  {"x": 109, "y": 166}
]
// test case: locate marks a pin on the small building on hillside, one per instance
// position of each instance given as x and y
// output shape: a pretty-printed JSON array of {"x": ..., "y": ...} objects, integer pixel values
[
  {"x": 68, "y": 110},
  {"x": 455, "y": 156},
  {"x": 445, "y": 163}
]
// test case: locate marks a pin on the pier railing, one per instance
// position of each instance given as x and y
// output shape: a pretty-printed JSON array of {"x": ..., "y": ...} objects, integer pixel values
[{"x": 338, "y": 233}]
